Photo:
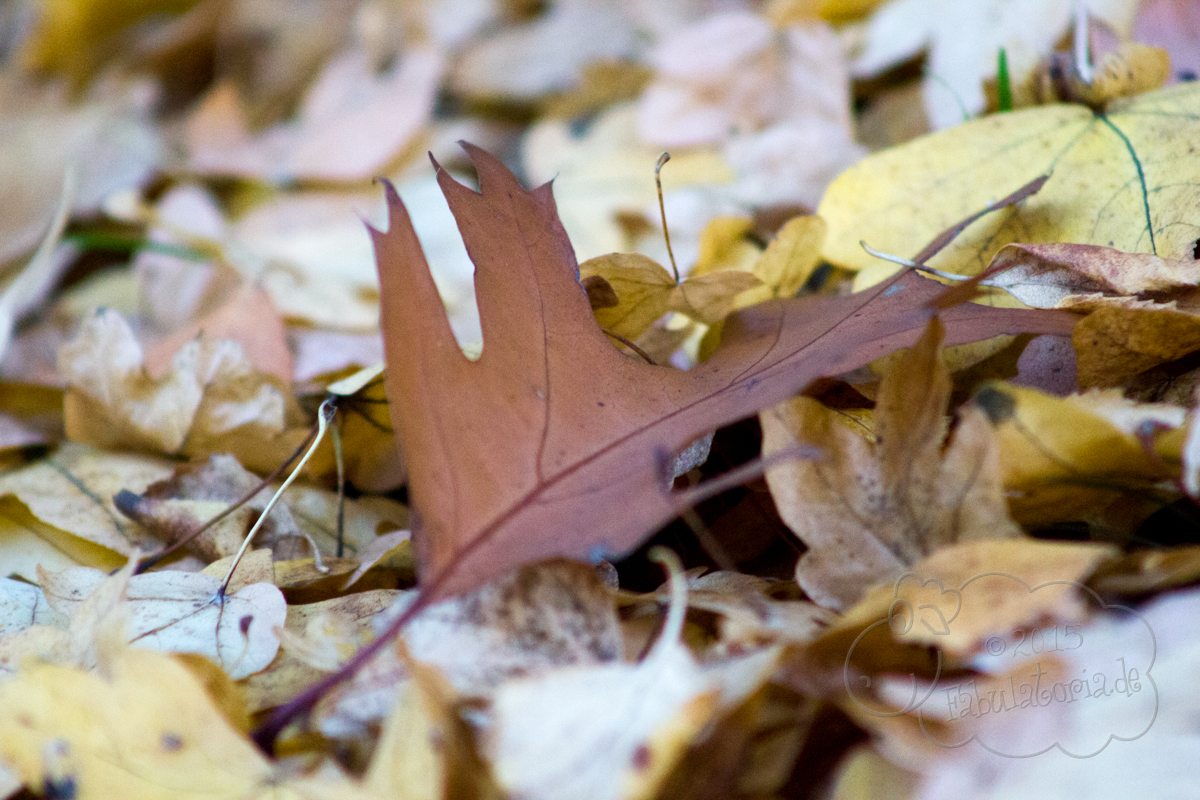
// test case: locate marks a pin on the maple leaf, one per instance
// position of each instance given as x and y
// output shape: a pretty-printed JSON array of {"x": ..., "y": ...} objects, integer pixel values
[
  {"x": 869, "y": 509},
  {"x": 553, "y": 442}
]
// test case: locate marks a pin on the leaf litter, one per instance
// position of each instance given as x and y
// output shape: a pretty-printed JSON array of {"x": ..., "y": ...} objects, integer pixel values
[{"x": 452, "y": 597}]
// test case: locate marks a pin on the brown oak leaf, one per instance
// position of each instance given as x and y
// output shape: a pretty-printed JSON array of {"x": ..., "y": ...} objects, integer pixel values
[{"x": 553, "y": 443}]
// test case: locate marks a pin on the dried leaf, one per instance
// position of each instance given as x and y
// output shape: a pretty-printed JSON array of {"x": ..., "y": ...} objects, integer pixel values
[
  {"x": 527, "y": 622},
  {"x": 248, "y": 318},
  {"x": 1116, "y": 342},
  {"x": 555, "y": 443},
  {"x": 211, "y": 400},
  {"x": 1044, "y": 275},
  {"x": 872, "y": 505},
  {"x": 184, "y": 612},
  {"x": 65, "y": 501},
  {"x": 426, "y": 751}
]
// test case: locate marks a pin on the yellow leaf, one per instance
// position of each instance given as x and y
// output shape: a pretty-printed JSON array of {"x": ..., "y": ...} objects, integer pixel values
[
  {"x": 147, "y": 731},
  {"x": 1065, "y": 458},
  {"x": 1123, "y": 179},
  {"x": 426, "y": 751},
  {"x": 723, "y": 245},
  {"x": 788, "y": 260},
  {"x": 643, "y": 288},
  {"x": 74, "y": 36},
  {"x": 708, "y": 298},
  {"x": 66, "y": 502}
]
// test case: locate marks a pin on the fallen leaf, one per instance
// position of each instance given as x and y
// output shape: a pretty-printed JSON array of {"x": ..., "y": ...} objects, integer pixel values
[
  {"x": 211, "y": 400},
  {"x": 1046, "y": 275},
  {"x": 614, "y": 730},
  {"x": 1115, "y": 182},
  {"x": 339, "y": 626},
  {"x": 65, "y": 501},
  {"x": 23, "y": 605},
  {"x": 1068, "y": 458},
  {"x": 248, "y": 318},
  {"x": 305, "y": 518},
  {"x": 184, "y": 612},
  {"x": 426, "y": 751},
  {"x": 878, "y": 500},
  {"x": 351, "y": 124},
  {"x": 149, "y": 725},
  {"x": 527, "y": 622},
  {"x": 553, "y": 432},
  {"x": 963, "y": 40},
  {"x": 1117, "y": 342},
  {"x": 645, "y": 291}
]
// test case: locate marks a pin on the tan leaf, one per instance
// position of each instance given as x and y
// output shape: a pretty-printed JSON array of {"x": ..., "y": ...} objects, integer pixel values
[
  {"x": 248, "y": 318},
  {"x": 1114, "y": 344},
  {"x": 426, "y": 751},
  {"x": 1043, "y": 275},
  {"x": 211, "y": 400},
  {"x": 531, "y": 620},
  {"x": 869, "y": 507}
]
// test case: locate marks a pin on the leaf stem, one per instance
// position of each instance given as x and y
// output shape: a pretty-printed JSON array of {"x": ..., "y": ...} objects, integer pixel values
[
  {"x": 154, "y": 559},
  {"x": 619, "y": 338},
  {"x": 662, "y": 209},
  {"x": 324, "y": 413}
]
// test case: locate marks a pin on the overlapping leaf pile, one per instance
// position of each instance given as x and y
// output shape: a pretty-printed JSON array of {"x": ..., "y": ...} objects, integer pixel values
[{"x": 928, "y": 414}]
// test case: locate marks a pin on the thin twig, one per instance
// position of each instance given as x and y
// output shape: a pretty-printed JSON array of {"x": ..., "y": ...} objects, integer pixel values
[
  {"x": 153, "y": 560},
  {"x": 618, "y": 337},
  {"x": 324, "y": 413},
  {"x": 662, "y": 208}
]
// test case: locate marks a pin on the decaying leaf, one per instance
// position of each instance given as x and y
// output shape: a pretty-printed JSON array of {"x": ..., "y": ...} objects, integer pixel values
[
  {"x": 877, "y": 501},
  {"x": 530, "y": 621},
  {"x": 614, "y": 730},
  {"x": 552, "y": 432},
  {"x": 1046, "y": 275},
  {"x": 211, "y": 400}
]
